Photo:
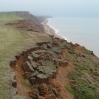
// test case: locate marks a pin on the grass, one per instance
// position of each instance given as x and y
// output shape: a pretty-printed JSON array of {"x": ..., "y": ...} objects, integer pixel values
[
  {"x": 12, "y": 42},
  {"x": 85, "y": 76}
]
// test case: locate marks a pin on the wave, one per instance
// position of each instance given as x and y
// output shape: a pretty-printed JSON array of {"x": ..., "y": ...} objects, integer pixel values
[
  {"x": 56, "y": 30},
  {"x": 48, "y": 23}
]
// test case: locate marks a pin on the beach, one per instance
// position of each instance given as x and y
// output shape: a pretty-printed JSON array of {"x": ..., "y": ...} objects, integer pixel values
[{"x": 49, "y": 29}]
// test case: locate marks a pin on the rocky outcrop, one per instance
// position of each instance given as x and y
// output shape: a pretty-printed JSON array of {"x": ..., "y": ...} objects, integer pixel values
[
  {"x": 39, "y": 65},
  {"x": 28, "y": 25}
]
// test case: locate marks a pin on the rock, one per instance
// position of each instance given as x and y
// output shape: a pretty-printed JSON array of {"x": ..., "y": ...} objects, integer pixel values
[
  {"x": 27, "y": 67},
  {"x": 55, "y": 92},
  {"x": 13, "y": 62},
  {"x": 49, "y": 45},
  {"x": 18, "y": 97},
  {"x": 55, "y": 42},
  {"x": 14, "y": 83},
  {"x": 34, "y": 65},
  {"x": 44, "y": 46},
  {"x": 32, "y": 80},
  {"x": 28, "y": 75},
  {"x": 30, "y": 57},
  {"x": 43, "y": 89},
  {"x": 13, "y": 76},
  {"x": 35, "y": 74},
  {"x": 40, "y": 97},
  {"x": 35, "y": 56},
  {"x": 71, "y": 52},
  {"x": 68, "y": 46},
  {"x": 54, "y": 73},
  {"x": 14, "y": 91},
  {"x": 34, "y": 93},
  {"x": 39, "y": 51},
  {"x": 60, "y": 62},
  {"x": 41, "y": 43},
  {"x": 40, "y": 62},
  {"x": 56, "y": 50},
  {"x": 36, "y": 48},
  {"x": 50, "y": 96},
  {"x": 17, "y": 56},
  {"x": 41, "y": 78}
]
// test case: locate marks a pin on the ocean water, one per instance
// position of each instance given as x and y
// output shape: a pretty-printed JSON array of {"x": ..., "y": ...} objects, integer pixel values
[{"x": 84, "y": 31}]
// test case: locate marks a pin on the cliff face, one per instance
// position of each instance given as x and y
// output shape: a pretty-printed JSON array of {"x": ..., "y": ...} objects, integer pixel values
[{"x": 29, "y": 22}]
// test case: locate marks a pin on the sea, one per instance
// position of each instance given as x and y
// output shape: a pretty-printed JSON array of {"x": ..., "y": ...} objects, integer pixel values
[{"x": 84, "y": 31}]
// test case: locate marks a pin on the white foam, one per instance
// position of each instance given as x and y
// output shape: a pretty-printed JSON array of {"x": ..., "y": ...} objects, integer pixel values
[
  {"x": 56, "y": 30},
  {"x": 48, "y": 23}
]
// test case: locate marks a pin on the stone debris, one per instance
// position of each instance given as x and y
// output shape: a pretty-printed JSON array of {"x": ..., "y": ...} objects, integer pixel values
[
  {"x": 43, "y": 89},
  {"x": 34, "y": 93},
  {"x": 27, "y": 67},
  {"x": 49, "y": 45},
  {"x": 40, "y": 67},
  {"x": 30, "y": 57},
  {"x": 34, "y": 65},
  {"x": 60, "y": 62}
]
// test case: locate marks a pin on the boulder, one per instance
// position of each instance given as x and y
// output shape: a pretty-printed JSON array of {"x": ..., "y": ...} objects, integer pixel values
[
  {"x": 35, "y": 74},
  {"x": 32, "y": 80},
  {"x": 18, "y": 97},
  {"x": 13, "y": 62},
  {"x": 37, "y": 48},
  {"x": 27, "y": 67},
  {"x": 30, "y": 57},
  {"x": 35, "y": 56},
  {"x": 14, "y": 91},
  {"x": 41, "y": 78},
  {"x": 34, "y": 93},
  {"x": 14, "y": 83},
  {"x": 56, "y": 92},
  {"x": 28, "y": 75},
  {"x": 68, "y": 46},
  {"x": 40, "y": 97},
  {"x": 71, "y": 52},
  {"x": 41, "y": 43},
  {"x": 34, "y": 65},
  {"x": 55, "y": 42},
  {"x": 44, "y": 46},
  {"x": 39, "y": 51},
  {"x": 49, "y": 45},
  {"x": 40, "y": 62},
  {"x": 48, "y": 57},
  {"x": 50, "y": 96},
  {"x": 56, "y": 50},
  {"x": 43, "y": 89},
  {"x": 60, "y": 62}
]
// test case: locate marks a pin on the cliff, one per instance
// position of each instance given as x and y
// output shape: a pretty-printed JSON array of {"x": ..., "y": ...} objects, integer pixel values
[{"x": 45, "y": 67}]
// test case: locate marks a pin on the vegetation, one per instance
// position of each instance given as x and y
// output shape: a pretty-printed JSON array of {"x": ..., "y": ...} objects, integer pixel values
[
  {"x": 13, "y": 41},
  {"x": 85, "y": 78}
]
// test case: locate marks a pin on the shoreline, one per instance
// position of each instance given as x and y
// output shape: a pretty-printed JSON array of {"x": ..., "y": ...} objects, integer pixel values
[{"x": 49, "y": 29}]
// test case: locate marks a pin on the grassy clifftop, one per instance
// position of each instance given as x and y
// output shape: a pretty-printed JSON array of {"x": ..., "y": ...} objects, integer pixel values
[{"x": 13, "y": 41}]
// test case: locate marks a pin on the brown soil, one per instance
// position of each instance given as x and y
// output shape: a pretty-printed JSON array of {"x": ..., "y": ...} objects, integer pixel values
[{"x": 22, "y": 88}]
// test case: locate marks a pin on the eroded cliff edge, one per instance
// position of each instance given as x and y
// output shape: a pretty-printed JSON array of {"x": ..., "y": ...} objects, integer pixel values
[{"x": 51, "y": 70}]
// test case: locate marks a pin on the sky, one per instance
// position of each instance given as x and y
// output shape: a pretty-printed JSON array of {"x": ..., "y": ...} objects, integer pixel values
[{"x": 69, "y": 8}]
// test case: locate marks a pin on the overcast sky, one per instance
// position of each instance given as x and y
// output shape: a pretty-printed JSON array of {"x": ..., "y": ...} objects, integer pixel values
[{"x": 79, "y": 8}]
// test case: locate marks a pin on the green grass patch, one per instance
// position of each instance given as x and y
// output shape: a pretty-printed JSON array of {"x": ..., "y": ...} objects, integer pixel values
[{"x": 12, "y": 42}]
